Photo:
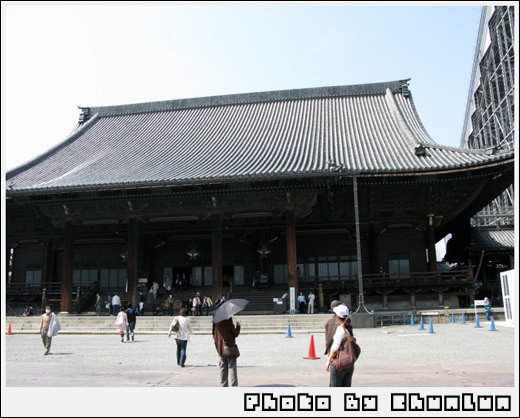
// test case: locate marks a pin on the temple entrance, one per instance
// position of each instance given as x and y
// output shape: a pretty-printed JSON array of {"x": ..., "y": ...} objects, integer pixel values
[{"x": 182, "y": 277}]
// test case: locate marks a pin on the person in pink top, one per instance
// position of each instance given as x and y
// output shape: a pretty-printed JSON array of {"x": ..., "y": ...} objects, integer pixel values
[{"x": 121, "y": 323}]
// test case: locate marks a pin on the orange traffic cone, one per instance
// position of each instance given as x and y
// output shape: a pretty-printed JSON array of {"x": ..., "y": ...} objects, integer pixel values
[
  {"x": 312, "y": 351},
  {"x": 9, "y": 332}
]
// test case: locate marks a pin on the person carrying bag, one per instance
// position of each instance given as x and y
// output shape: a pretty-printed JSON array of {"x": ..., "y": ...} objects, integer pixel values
[{"x": 344, "y": 351}]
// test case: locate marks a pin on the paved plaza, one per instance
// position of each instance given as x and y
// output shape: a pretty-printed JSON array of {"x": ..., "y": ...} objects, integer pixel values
[{"x": 454, "y": 355}]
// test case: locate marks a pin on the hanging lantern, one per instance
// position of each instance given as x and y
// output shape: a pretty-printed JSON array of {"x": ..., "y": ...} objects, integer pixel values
[
  {"x": 192, "y": 251},
  {"x": 262, "y": 249}
]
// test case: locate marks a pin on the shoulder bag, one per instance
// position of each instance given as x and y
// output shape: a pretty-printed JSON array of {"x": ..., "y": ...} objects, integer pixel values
[
  {"x": 230, "y": 351},
  {"x": 347, "y": 354},
  {"x": 175, "y": 327}
]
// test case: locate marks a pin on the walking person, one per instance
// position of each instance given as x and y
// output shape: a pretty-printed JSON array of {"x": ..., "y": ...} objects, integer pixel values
[
  {"x": 49, "y": 327},
  {"x": 181, "y": 326},
  {"x": 121, "y": 323},
  {"x": 169, "y": 304},
  {"x": 116, "y": 304},
  {"x": 98, "y": 304},
  {"x": 224, "y": 334},
  {"x": 310, "y": 298},
  {"x": 131, "y": 315},
  {"x": 340, "y": 378}
]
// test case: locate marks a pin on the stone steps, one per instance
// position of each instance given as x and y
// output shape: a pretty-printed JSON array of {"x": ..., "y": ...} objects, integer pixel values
[{"x": 200, "y": 325}]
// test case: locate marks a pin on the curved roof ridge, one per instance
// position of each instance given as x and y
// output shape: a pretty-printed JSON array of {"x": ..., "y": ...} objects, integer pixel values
[
  {"x": 76, "y": 133},
  {"x": 400, "y": 119},
  {"x": 249, "y": 98}
]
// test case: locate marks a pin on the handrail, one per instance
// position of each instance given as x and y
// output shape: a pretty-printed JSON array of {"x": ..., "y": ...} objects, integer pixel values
[{"x": 87, "y": 295}]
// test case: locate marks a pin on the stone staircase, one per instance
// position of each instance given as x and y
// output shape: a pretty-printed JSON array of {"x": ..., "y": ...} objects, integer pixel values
[
  {"x": 260, "y": 301},
  {"x": 251, "y": 324}
]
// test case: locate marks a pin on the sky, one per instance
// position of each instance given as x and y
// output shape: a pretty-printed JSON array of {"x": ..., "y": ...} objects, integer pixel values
[{"x": 56, "y": 57}]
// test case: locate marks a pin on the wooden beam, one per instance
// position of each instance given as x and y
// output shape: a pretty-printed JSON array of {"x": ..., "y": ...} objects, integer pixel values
[
  {"x": 67, "y": 268},
  {"x": 49, "y": 261},
  {"x": 430, "y": 242},
  {"x": 216, "y": 240},
  {"x": 291, "y": 251},
  {"x": 133, "y": 260}
]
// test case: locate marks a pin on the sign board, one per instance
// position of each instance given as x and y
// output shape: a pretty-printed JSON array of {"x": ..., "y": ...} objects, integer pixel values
[
  {"x": 507, "y": 280},
  {"x": 142, "y": 280},
  {"x": 292, "y": 300},
  {"x": 478, "y": 303}
]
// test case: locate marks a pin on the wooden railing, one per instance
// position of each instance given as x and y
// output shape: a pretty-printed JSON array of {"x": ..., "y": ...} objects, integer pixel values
[
  {"x": 25, "y": 289},
  {"x": 441, "y": 278}
]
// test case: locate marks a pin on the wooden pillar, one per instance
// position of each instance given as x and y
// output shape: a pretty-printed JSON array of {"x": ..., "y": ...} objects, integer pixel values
[
  {"x": 216, "y": 240},
  {"x": 292, "y": 263},
  {"x": 372, "y": 245},
  {"x": 441, "y": 298},
  {"x": 49, "y": 262},
  {"x": 413, "y": 301},
  {"x": 385, "y": 300},
  {"x": 67, "y": 268},
  {"x": 430, "y": 241},
  {"x": 133, "y": 260}
]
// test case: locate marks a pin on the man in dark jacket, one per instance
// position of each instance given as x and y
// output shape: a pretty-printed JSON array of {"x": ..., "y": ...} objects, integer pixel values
[
  {"x": 132, "y": 318},
  {"x": 224, "y": 333},
  {"x": 330, "y": 327}
]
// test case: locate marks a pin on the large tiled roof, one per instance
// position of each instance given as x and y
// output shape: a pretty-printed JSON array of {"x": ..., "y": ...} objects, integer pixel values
[
  {"x": 369, "y": 128},
  {"x": 492, "y": 239}
]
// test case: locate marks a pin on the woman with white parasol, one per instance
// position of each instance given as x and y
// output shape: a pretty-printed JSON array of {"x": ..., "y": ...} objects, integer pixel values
[{"x": 224, "y": 335}]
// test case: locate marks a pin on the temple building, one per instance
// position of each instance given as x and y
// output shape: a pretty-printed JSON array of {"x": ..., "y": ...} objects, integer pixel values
[{"x": 321, "y": 188}]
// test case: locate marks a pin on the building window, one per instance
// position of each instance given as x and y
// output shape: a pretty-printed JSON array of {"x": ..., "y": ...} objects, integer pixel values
[
  {"x": 208, "y": 276},
  {"x": 399, "y": 268},
  {"x": 33, "y": 277},
  {"x": 197, "y": 276},
  {"x": 280, "y": 274},
  {"x": 239, "y": 275},
  {"x": 111, "y": 278}
]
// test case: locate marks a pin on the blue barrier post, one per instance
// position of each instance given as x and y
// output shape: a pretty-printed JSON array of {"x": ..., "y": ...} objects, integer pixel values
[
  {"x": 430, "y": 331},
  {"x": 477, "y": 322},
  {"x": 288, "y": 335},
  {"x": 463, "y": 319},
  {"x": 421, "y": 326},
  {"x": 492, "y": 327}
]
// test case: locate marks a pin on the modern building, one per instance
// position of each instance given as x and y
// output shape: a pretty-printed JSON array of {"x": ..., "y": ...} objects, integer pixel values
[{"x": 321, "y": 188}]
